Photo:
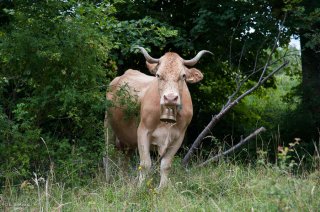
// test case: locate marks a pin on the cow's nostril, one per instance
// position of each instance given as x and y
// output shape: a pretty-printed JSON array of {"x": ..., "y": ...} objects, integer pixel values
[{"x": 171, "y": 98}]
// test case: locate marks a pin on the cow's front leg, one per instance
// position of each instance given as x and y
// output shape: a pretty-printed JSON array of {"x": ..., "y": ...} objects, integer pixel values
[
  {"x": 166, "y": 161},
  {"x": 144, "y": 153}
]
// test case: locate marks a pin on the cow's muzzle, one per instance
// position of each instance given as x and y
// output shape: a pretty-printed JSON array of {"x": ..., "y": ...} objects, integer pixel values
[
  {"x": 170, "y": 99},
  {"x": 168, "y": 113}
]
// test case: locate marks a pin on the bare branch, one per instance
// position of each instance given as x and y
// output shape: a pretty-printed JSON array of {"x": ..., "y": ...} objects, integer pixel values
[
  {"x": 257, "y": 55},
  {"x": 259, "y": 83},
  {"x": 232, "y": 149},
  {"x": 275, "y": 45},
  {"x": 241, "y": 55}
]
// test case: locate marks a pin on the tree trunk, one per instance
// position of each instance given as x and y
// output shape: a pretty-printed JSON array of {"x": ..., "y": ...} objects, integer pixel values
[{"x": 310, "y": 58}]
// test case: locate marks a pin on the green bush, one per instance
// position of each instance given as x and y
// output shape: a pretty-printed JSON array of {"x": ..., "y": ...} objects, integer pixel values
[
  {"x": 56, "y": 59},
  {"x": 52, "y": 91}
]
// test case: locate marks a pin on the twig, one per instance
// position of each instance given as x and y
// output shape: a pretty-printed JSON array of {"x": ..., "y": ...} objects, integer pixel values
[{"x": 232, "y": 149}]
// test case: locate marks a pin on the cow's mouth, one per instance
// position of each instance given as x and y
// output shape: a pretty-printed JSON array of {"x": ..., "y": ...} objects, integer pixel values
[{"x": 168, "y": 113}]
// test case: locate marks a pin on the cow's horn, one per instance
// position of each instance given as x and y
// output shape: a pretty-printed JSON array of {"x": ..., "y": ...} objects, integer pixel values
[
  {"x": 194, "y": 60},
  {"x": 147, "y": 56}
]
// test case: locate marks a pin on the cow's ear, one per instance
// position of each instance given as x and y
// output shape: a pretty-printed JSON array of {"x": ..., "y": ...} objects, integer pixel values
[
  {"x": 152, "y": 67},
  {"x": 193, "y": 75}
]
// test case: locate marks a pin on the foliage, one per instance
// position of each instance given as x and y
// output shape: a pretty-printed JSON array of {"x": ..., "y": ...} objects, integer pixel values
[
  {"x": 269, "y": 106},
  {"x": 127, "y": 101},
  {"x": 51, "y": 67},
  {"x": 56, "y": 59},
  {"x": 285, "y": 158}
]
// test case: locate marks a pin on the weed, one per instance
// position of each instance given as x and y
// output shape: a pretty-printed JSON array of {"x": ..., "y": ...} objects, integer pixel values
[
  {"x": 127, "y": 100},
  {"x": 285, "y": 159}
]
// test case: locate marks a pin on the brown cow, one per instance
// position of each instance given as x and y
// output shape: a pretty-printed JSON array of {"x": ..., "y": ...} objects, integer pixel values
[{"x": 167, "y": 89}]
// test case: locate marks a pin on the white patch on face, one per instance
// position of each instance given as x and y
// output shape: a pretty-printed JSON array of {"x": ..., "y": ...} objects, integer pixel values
[{"x": 170, "y": 94}]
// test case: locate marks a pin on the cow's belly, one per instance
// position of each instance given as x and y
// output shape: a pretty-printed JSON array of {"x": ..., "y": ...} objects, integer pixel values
[{"x": 125, "y": 129}]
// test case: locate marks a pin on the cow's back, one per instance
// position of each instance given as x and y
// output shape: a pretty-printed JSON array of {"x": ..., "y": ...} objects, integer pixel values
[{"x": 124, "y": 125}]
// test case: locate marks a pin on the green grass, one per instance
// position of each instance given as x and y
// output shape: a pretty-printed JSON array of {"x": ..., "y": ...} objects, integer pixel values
[{"x": 218, "y": 187}]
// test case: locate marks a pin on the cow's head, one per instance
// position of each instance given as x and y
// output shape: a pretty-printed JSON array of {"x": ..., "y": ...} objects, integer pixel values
[{"x": 172, "y": 72}]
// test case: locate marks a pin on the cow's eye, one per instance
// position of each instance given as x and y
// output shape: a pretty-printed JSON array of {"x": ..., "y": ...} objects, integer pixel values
[
  {"x": 158, "y": 76},
  {"x": 184, "y": 76}
]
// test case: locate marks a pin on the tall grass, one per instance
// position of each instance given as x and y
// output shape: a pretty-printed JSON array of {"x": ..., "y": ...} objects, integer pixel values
[{"x": 225, "y": 186}]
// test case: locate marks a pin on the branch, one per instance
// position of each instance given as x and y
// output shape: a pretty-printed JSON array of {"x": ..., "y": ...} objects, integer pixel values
[{"x": 232, "y": 149}]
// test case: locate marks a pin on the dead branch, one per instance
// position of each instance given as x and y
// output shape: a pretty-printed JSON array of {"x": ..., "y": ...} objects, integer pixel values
[
  {"x": 234, "y": 98},
  {"x": 232, "y": 149}
]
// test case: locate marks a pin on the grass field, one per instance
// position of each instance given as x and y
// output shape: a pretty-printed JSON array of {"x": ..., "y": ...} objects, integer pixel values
[{"x": 219, "y": 187}]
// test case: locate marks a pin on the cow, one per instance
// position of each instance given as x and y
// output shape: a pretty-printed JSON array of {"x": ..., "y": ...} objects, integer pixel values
[{"x": 165, "y": 91}]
